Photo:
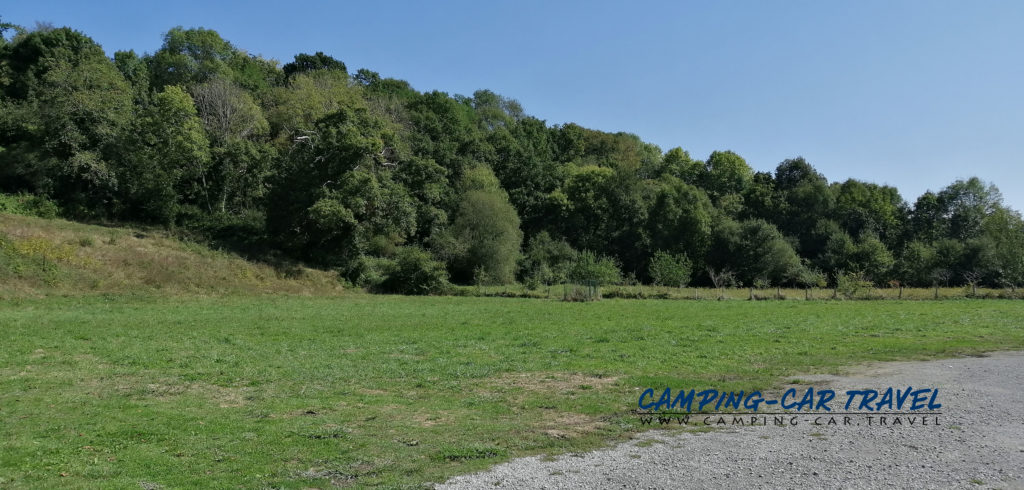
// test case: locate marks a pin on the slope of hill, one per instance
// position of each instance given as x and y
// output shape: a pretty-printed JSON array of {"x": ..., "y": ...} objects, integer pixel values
[{"x": 40, "y": 257}]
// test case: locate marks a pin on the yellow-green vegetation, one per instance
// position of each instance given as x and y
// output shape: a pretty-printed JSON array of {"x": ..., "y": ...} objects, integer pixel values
[
  {"x": 641, "y": 291},
  {"x": 360, "y": 390},
  {"x": 56, "y": 257}
]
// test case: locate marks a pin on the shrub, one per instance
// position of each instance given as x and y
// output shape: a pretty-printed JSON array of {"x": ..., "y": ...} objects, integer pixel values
[
  {"x": 851, "y": 284},
  {"x": 670, "y": 269},
  {"x": 28, "y": 205},
  {"x": 589, "y": 267},
  {"x": 370, "y": 272},
  {"x": 413, "y": 271}
]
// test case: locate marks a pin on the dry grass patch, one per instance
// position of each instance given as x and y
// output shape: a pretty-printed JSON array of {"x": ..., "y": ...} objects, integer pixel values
[
  {"x": 550, "y": 382},
  {"x": 44, "y": 257}
]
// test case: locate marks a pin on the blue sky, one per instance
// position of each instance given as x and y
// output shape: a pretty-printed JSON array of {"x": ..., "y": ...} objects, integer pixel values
[{"x": 914, "y": 94}]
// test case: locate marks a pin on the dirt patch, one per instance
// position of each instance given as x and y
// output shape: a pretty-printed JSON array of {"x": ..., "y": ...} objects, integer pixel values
[
  {"x": 567, "y": 425},
  {"x": 550, "y": 382},
  {"x": 432, "y": 419},
  {"x": 222, "y": 396}
]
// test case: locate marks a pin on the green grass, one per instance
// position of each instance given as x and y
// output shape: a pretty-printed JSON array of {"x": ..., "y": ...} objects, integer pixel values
[{"x": 362, "y": 390}]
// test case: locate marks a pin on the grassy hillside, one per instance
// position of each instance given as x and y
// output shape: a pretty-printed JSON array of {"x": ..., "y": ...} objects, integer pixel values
[{"x": 53, "y": 257}]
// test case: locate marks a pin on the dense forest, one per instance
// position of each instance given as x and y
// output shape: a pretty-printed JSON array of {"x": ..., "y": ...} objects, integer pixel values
[{"x": 404, "y": 191}]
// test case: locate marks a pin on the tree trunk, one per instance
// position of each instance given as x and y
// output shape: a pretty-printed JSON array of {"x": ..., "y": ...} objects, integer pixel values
[
  {"x": 936, "y": 291},
  {"x": 901, "y": 292},
  {"x": 778, "y": 292},
  {"x": 751, "y": 294},
  {"x": 807, "y": 294}
]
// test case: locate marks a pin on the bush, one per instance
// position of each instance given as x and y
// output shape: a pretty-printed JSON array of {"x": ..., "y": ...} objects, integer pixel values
[
  {"x": 28, "y": 205},
  {"x": 851, "y": 284},
  {"x": 589, "y": 267},
  {"x": 413, "y": 271},
  {"x": 670, "y": 269}
]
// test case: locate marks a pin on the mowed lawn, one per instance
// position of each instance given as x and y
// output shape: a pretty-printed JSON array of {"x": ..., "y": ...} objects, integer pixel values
[{"x": 400, "y": 391}]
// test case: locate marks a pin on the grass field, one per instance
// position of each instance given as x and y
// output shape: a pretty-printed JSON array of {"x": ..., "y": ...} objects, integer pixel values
[{"x": 362, "y": 390}]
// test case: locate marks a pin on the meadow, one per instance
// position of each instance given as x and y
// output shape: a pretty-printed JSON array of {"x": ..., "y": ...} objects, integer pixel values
[{"x": 359, "y": 390}]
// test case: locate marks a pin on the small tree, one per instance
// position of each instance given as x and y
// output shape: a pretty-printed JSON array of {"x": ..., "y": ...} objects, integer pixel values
[
  {"x": 720, "y": 279},
  {"x": 593, "y": 271},
  {"x": 414, "y": 271},
  {"x": 940, "y": 276},
  {"x": 852, "y": 284},
  {"x": 810, "y": 278},
  {"x": 590, "y": 267},
  {"x": 973, "y": 278},
  {"x": 670, "y": 269}
]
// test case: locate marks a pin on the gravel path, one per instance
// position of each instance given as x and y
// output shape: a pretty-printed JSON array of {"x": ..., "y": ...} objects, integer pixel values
[{"x": 978, "y": 443}]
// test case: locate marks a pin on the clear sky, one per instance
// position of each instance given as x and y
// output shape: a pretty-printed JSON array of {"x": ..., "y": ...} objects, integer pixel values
[{"x": 914, "y": 94}]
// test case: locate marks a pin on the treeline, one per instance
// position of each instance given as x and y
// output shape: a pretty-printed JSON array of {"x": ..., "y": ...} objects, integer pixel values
[{"x": 404, "y": 191}]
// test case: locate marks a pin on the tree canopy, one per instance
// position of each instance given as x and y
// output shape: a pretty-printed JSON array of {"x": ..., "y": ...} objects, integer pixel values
[{"x": 403, "y": 190}]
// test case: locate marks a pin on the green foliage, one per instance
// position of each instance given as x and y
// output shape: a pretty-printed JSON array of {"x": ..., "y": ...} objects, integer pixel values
[
  {"x": 916, "y": 265},
  {"x": 588, "y": 267},
  {"x": 28, "y": 205},
  {"x": 488, "y": 227},
  {"x": 546, "y": 260},
  {"x": 809, "y": 277},
  {"x": 168, "y": 165},
  {"x": 852, "y": 285},
  {"x": 680, "y": 218},
  {"x": 307, "y": 163},
  {"x": 312, "y": 62},
  {"x": 726, "y": 173},
  {"x": 65, "y": 107},
  {"x": 753, "y": 250},
  {"x": 670, "y": 269},
  {"x": 413, "y": 271},
  {"x": 191, "y": 56}
]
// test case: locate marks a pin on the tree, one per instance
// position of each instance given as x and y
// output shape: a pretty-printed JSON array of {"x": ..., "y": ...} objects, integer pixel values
[
  {"x": 237, "y": 130},
  {"x": 305, "y": 63},
  {"x": 927, "y": 219},
  {"x": 803, "y": 199},
  {"x": 726, "y": 173},
  {"x": 65, "y": 110},
  {"x": 414, "y": 271},
  {"x": 1004, "y": 237},
  {"x": 191, "y": 56},
  {"x": 307, "y": 97},
  {"x": 588, "y": 267},
  {"x": 333, "y": 195},
  {"x": 863, "y": 207},
  {"x": 915, "y": 265},
  {"x": 755, "y": 248},
  {"x": 546, "y": 260},
  {"x": 670, "y": 269},
  {"x": 873, "y": 259},
  {"x": 966, "y": 203},
  {"x": 679, "y": 220},
  {"x": 488, "y": 227},
  {"x": 168, "y": 163}
]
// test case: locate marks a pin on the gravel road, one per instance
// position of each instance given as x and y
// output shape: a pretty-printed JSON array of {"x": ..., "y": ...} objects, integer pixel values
[{"x": 978, "y": 443}]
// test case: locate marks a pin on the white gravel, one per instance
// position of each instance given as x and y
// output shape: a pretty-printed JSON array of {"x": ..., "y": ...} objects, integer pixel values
[{"x": 978, "y": 443}]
